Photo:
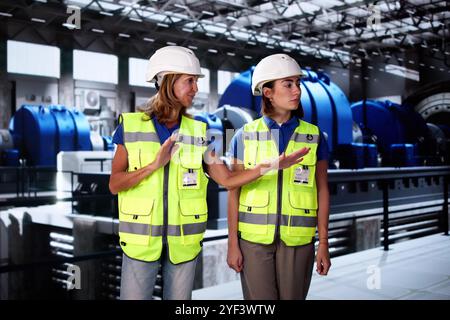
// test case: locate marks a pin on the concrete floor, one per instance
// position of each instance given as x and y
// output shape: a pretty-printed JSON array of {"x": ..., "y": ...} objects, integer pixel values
[{"x": 417, "y": 269}]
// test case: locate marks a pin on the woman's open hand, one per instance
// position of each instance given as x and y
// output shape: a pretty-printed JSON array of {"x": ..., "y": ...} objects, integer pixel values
[
  {"x": 284, "y": 161},
  {"x": 165, "y": 152}
]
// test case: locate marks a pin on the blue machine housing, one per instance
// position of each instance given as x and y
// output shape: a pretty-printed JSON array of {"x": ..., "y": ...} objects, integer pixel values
[
  {"x": 10, "y": 158},
  {"x": 399, "y": 131},
  {"x": 357, "y": 155},
  {"x": 41, "y": 132},
  {"x": 324, "y": 104},
  {"x": 82, "y": 130},
  {"x": 403, "y": 154}
]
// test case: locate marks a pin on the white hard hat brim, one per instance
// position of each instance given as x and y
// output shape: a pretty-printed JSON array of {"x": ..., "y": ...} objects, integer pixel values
[
  {"x": 200, "y": 75},
  {"x": 262, "y": 83}
]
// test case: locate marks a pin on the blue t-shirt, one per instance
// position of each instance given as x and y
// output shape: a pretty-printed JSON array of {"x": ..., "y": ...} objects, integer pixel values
[{"x": 285, "y": 132}]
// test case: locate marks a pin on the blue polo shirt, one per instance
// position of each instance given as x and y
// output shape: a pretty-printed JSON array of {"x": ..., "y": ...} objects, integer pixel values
[{"x": 285, "y": 132}]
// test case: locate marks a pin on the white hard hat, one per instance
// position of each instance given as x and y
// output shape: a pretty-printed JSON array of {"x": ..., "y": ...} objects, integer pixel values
[
  {"x": 172, "y": 59},
  {"x": 273, "y": 67}
]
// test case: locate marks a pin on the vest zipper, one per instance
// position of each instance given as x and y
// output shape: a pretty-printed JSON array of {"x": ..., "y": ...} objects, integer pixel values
[{"x": 165, "y": 203}]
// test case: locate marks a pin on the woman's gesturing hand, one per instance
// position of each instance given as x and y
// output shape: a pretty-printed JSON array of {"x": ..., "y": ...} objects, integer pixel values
[
  {"x": 284, "y": 161},
  {"x": 165, "y": 152}
]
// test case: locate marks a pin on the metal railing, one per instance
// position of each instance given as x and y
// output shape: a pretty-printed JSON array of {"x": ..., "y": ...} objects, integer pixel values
[
  {"x": 386, "y": 180},
  {"x": 24, "y": 182}
]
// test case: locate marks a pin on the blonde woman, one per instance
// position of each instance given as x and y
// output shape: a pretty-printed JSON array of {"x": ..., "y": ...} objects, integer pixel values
[
  {"x": 272, "y": 220},
  {"x": 159, "y": 171}
]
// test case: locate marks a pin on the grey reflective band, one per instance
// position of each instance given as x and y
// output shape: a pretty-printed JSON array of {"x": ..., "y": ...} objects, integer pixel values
[
  {"x": 157, "y": 231},
  {"x": 173, "y": 230},
  {"x": 144, "y": 229},
  {"x": 256, "y": 218},
  {"x": 194, "y": 228},
  {"x": 140, "y": 136},
  {"x": 196, "y": 141},
  {"x": 263, "y": 219},
  {"x": 306, "y": 138},
  {"x": 256, "y": 135},
  {"x": 188, "y": 229},
  {"x": 135, "y": 228},
  {"x": 299, "y": 221}
]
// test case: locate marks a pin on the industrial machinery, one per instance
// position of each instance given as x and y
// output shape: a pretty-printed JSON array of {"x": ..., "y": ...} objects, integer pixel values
[
  {"x": 41, "y": 132},
  {"x": 401, "y": 134},
  {"x": 432, "y": 102},
  {"x": 36, "y": 135}
]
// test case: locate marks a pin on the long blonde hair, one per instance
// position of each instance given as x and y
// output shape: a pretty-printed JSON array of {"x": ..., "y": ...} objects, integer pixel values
[{"x": 165, "y": 106}]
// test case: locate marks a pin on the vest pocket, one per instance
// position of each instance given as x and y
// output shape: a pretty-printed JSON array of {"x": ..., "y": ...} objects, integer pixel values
[
  {"x": 250, "y": 155},
  {"x": 302, "y": 218},
  {"x": 147, "y": 156},
  {"x": 194, "y": 215},
  {"x": 254, "y": 199},
  {"x": 302, "y": 201},
  {"x": 254, "y": 211},
  {"x": 139, "y": 158},
  {"x": 193, "y": 207},
  {"x": 190, "y": 164},
  {"x": 134, "y": 159},
  {"x": 135, "y": 214},
  {"x": 311, "y": 158}
]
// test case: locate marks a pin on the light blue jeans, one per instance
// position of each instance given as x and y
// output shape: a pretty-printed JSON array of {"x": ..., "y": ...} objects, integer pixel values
[{"x": 139, "y": 277}]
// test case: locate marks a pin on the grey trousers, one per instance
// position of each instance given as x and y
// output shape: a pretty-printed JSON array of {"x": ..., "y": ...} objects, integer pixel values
[
  {"x": 276, "y": 271},
  {"x": 138, "y": 279}
]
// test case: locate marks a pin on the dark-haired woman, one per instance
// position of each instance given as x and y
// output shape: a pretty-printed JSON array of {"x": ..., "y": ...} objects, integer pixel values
[{"x": 272, "y": 221}]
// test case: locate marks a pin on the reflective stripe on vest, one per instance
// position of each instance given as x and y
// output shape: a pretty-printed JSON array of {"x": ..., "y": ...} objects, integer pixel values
[
  {"x": 140, "y": 136},
  {"x": 197, "y": 141},
  {"x": 265, "y": 136},
  {"x": 259, "y": 136},
  {"x": 144, "y": 229},
  {"x": 262, "y": 219},
  {"x": 305, "y": 138}
]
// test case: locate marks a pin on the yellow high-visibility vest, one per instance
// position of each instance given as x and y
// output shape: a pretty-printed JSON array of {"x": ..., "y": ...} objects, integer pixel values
[
  {"x": 170, "y": 204},
  {"x": 282, "y": 202}
]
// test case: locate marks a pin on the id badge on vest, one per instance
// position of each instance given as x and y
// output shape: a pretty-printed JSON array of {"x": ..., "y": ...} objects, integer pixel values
[
  {"x": 301, "y": 175},
  {"x": 190, "y": 178}
]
